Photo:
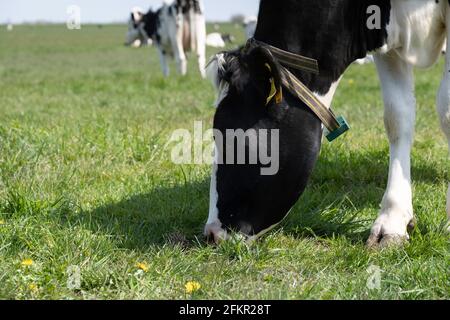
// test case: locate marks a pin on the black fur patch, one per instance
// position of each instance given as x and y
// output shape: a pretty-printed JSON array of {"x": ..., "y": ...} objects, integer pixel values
[
  {"x": 151, "y": 22},
  {"x": 334, "y": 32}
]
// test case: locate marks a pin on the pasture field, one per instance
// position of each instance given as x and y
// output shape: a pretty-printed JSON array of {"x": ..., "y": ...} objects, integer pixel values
[{"x": 87, "y": 185}]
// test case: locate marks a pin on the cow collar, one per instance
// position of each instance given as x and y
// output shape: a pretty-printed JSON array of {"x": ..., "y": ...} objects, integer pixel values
[{"x": 336, "y": 126}]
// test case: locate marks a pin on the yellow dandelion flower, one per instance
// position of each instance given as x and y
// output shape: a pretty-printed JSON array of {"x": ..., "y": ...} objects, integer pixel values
[
  {"x": 27, "y": 262},
  {"x": 192, "y": 287},
  {"x": 33, "y": 287},
  {"x": 142, "y": 266},
  {"x": 2, "y": 222},
  {"x": 351, "y": 82}
]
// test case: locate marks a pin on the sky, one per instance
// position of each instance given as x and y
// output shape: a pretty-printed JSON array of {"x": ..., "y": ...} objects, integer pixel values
[{"x": 104, "y": 11}]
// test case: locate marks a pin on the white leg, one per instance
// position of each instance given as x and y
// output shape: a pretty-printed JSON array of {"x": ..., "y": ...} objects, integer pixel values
[
  {"x": 213, "y": 227},
  {"x": 200, "y": 31},
  {"x": 164, "y": 62},
  {"x": 202, "y": 65},
  {"x": 443, "y": 106},
  {"x": 181, "y": 63},
  {"x": 180, "y": 56},
  {"x": 397, "y": 81}
]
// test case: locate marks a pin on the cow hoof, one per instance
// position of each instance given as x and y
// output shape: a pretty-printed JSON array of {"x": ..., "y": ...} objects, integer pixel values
[
  {"x": 387, "y": 241},
  {"x": 389, "y": 232},
  {"x": 393, "y": 241},
  {"x": 215, "y": 234},
  {"x": 412, "y": 225}
]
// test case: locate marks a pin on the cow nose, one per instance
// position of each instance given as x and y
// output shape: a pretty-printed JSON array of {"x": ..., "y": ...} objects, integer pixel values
[{"x": 215, "y": 233}]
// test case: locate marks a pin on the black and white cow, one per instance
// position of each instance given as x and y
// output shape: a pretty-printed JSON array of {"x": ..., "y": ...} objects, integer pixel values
[
  {"x": 176, "y": 28},
  {"x": 410, "y": 34},
  {"x": 218, "y": 40}
]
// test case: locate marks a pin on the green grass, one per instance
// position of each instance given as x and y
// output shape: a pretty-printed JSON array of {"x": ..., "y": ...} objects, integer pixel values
[{"x": 86, "y": 181}]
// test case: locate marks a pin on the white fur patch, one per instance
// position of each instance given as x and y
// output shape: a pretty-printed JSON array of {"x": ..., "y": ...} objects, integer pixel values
[
  {"x": 416, "y": 31},
  {"x": 214, "y": 225},
  {"x": 213, "y": 216},
  {"x": 327, "y": 98},
  {"x": 138, "y": 14},
  {"x": 214, "y": 68}
]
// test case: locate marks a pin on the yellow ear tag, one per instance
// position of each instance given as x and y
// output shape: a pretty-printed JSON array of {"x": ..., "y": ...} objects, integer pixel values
[
  {"x": 274, "y": 93},
  {"x": 279, "y": 95}
]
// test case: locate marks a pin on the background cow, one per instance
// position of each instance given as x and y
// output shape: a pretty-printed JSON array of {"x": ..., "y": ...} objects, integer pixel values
[
  {"x": 176, "y": 28},
  {"x": 408, "y": 34},
  {"x": 215, "y": 40},
  {"x": 218, "y": 40}
]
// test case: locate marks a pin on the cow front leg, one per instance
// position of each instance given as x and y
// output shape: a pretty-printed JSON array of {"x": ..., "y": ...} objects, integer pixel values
[
  {"x": 180, "y": 55},
  {"x": 181, "y": 63},
  {"x": 396, "y": 213},
  {"x": 443, "y": 106},
  {"x": 202, "y": 65},
  {"x": 201, "y": 43},
  {"x": 164, "y": 62}
]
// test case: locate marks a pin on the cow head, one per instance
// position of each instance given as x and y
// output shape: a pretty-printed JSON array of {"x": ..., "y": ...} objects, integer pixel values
[
  {"x": 133, "y": 33},
  {"x": 141, "y": 27},
  {"x": 252, "y": 197}
]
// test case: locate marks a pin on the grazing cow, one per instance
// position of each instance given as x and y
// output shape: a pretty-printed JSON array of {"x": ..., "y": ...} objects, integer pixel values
[
  {"x": 176, "y": 28},
  {"x": 217, "y": 40},
  {"x": 403, "y": 34}
]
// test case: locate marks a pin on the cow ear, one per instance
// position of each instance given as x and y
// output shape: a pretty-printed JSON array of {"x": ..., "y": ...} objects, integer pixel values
[
  {"x": 213, "y": 69},
  {"x": 264, "y": 67}
]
